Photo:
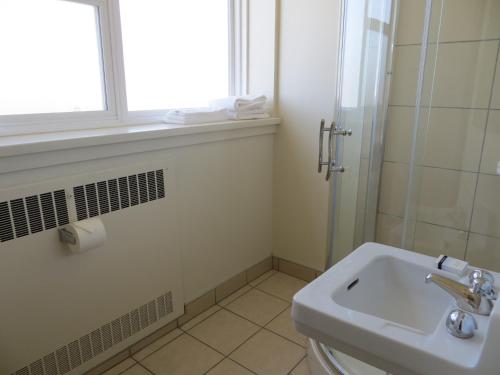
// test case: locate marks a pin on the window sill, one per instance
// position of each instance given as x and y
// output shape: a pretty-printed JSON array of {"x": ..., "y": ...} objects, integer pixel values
[{"x": 108, "y": 142}]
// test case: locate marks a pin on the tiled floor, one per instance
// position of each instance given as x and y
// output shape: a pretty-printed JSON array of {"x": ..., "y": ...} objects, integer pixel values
[{"x": 249, "y": 332}]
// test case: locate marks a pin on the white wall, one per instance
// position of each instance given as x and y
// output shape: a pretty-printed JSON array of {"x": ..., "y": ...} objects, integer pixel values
[
  {"x": 307, "y": 70},
  {"x": 224, "y": 191}
]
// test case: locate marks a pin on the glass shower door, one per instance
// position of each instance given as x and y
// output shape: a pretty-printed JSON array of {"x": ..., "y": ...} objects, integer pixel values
[
  {"x": 363, "y": 84},
  {"x": 452, "y": 204},
  {"x": 366, "y": 39}
]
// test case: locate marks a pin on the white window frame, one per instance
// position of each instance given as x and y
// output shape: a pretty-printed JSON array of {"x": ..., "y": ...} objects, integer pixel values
[{"x": 116, "y": 114}]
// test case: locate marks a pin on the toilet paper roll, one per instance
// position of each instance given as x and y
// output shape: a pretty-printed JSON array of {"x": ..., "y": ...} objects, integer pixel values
[{"x": 87, "y": 234}]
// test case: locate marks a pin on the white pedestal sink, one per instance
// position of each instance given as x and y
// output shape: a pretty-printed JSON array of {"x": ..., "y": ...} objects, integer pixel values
[{"x": 375, "y": 306}]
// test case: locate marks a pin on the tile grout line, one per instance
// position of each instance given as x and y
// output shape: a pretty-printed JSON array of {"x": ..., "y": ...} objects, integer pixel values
[
  {"x": 260, "y": 327},
  {"x": 201, "y": 321},
  {"x": 228, "y": 356},
  {"x": 447, "y": 42},
  {"x": 297, "y": 364},
  {"x": 128, "y": 368},
  {"x": 161, "y": 347},
  {"x": 272, "y": 295},
  {"x": 257, "y": 324},
  {"x": 492, "y": 88},
  {"x": 264, "y": 327},
  {"x": 443, "y": 168},
  {"x": 440, "y": 225},
  {"x": 283, "y": 337},
  {"x": 145, "y": 368},
  {"x": 412, "y": 106},
  {"x": 232, "y": 360},
  {"x": 221, "y": 307}
]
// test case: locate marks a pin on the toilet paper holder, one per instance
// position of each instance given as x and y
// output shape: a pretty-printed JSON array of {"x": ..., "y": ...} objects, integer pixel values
[{"x": 66, "y": 236}]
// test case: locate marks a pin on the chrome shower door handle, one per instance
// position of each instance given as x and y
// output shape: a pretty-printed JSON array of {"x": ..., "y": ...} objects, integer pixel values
[
  {"x": 327, "y": 163},
  {"x": 320, "y": 157},
  {"x": 330, "y": 163}
]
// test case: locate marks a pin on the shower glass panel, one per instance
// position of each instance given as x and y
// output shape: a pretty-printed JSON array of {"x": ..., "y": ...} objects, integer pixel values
[
  {"x": 450, "y": 176},
  {"x": 366, "y": 40}
]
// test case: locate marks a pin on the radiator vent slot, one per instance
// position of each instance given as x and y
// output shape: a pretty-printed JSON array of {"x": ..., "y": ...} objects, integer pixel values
[
  {"x": 79, "y": 351},
  {"x": 118, "y": 193},
  {"x": 24, "y": 216}
]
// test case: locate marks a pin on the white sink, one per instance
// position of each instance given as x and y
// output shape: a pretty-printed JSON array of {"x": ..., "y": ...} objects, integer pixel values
[{"x": 375, "y": 305}]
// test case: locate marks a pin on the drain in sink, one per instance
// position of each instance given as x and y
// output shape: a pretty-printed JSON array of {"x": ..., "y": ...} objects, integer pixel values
[{"x": 353, "y": 284}]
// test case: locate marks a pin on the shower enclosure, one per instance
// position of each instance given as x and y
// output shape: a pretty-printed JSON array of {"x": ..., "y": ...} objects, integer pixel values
[{"x": 419, "y": 85}]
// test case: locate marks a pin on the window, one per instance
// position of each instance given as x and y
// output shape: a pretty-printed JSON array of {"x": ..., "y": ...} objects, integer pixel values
[
  {"x": 95, "y": 63},
  {"x": 175, "y": 52},
  {"x": 51, "y": 59}
]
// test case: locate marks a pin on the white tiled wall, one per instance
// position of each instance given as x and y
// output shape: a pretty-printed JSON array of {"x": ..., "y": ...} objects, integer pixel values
[{"x": 458, "y": 209}]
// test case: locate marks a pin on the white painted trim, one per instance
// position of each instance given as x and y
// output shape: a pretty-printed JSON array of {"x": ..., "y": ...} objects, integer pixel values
[
  {"x": 117, "y": 59},
  {"x": 116, "y": 114},
  {"x": 238, "y": 47},
  {"x": 29, "y": 123},
  {"x": 29, "y": 152}
]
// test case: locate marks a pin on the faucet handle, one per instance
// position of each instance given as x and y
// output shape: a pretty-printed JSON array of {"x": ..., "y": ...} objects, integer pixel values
[
  {"x": 461, "y": 324},
  {"x": 465, "y": 296},
  {"x": 483, "y": 282}
]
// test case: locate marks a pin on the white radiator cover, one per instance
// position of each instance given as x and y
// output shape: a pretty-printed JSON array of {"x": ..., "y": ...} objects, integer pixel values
[{"x": 75, "y": 309}]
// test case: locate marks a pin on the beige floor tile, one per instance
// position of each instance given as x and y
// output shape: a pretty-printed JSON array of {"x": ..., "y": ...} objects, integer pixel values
[
  {"x": 282, "y": 286},
  {"x": 301, "y": 369},
  {"x": 235, "y": 295},
  {"x": 263, "y": 277},
  {"x": 228, "y": 367},
  {"x": 162, "y": 341},
  {"x": 200, "y": 318},
  {"x": 257, "y": 307},
  {"x": 267, "y": 353},
  {"x": 136, "y": 370},
  {"x": 283, "y": 325},
  {"x": 224, "y": 331},
  {"x": 121, "y": 367},
  {"x": 183, "y": 356}
]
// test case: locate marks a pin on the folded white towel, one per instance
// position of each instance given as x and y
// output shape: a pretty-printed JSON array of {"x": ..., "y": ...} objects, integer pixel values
[
  {"x": 240, "y": 103},
  {"x": 247, "y": 115},
  {"x": 195, "y": 116}
]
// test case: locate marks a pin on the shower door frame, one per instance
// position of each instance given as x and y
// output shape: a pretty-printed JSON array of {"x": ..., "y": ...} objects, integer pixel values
[{"x": 376, "y": 144}]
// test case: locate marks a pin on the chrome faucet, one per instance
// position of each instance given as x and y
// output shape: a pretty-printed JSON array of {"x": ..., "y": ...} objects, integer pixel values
[
  {"x": 468, "y": 298},
  {"x": 483, "y": 283}
]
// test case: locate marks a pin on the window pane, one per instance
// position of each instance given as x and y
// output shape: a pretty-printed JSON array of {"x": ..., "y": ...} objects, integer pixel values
[
  {"x": 176, "y": 52},
  {"x": 51, "y": 60}
]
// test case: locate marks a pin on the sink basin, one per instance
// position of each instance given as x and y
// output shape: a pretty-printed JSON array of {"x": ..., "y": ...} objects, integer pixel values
[
  {"x": 375, "y": 306},
  {"x": 398, "y": 296}
]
